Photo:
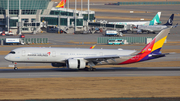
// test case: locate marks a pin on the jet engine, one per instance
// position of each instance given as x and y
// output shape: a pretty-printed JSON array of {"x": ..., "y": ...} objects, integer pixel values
[
  {"x": 139, "y": 31},
  {"x": 75, "y": 63},
  {"x": 58, "y": 64}
]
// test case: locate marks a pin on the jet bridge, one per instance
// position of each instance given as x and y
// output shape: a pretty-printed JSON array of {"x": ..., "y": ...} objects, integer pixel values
[
  {"x": 34, "y": 26},
  {"x": 106, "y": 26}
]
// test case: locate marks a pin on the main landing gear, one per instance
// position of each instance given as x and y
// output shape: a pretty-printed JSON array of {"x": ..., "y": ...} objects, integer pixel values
[{"x": 89, "y": 69}]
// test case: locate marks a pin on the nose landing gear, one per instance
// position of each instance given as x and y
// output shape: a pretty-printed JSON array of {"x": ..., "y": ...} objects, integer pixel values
[{"x": 15, "y": 67}]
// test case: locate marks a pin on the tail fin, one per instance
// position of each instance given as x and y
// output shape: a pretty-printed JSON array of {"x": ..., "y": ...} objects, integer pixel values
[
  {"x": 151, "y": 50},
  {"x": 156, "y": 19},
  {"x": 170, "y": 21},
  {"x": 61, "y": 4},
  {"x": 92, "y": 47},
  {"x": 156, "y": 44}
]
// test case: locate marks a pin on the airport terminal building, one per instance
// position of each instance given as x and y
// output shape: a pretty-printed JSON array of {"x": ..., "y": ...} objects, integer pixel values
[{"x": 32, "y": 15}]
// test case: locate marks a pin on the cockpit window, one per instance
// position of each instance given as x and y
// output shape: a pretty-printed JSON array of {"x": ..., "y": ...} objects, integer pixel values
[{"x": 12, "y": 52}]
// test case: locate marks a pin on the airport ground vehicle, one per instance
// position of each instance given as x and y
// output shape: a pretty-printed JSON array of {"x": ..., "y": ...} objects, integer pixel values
[
  {"x": 113, "y": 33},
  {"x": 11, "y": 41},
  {"x": 22, "y": 36},
  {"x": 2, "y": 34},
  {"x": 115, "y": 41},
  {"x": 10, "y": 33}
]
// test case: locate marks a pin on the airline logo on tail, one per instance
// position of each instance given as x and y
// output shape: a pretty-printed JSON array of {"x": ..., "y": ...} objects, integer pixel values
[
  {"x": 156, "y": 19},
  {"x": 170, "y": 21},
  {"x": 61, "y": 4},
  {"x": 92, "y": 47},
  {"x": 152, "y": 50}
]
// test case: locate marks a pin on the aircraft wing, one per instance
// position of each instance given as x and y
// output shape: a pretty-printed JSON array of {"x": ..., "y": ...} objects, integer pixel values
[
  {"x": 92, "y": 61},
  {"x": 150, "y": 30},
  {"x": 97, "y": 59},
  {"x": 101, "y": 58}
]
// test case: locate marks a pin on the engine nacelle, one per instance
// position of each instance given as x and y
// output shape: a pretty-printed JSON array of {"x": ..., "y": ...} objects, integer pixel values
[
  {"x": 139, "y": 31},
  {"x": 58, "y": 64},
  {"x": 75, "y": 63}
]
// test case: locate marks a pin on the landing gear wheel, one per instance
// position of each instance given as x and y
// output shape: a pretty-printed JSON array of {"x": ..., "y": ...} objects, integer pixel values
[
  {"x": 89, "y": 69},
  {"x": 15, "y": 68},
  {"x": 93, "y": 69},
  {"x": 86, "y": 69}
]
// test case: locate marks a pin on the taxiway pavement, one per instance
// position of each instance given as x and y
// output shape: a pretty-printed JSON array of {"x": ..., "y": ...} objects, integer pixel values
[{"x": 100, "y": 72}]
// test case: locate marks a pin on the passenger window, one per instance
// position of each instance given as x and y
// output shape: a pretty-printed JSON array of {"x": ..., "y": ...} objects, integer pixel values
[{"x": 12, "y": 52}]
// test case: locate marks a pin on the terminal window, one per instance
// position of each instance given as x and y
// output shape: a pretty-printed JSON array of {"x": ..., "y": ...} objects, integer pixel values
[
  {"x": 25, "y": 29},
  {"x": 13, "y": 11},
  {"x": 12, "y": 22},
  {"x": 2, "y": 11},
  {"x": 25, "y": 20},
  {"x": 28, "y": 12}
]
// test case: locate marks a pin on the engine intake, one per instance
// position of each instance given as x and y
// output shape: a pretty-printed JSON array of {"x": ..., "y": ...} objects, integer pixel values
[{"x": 75, "y": 63}]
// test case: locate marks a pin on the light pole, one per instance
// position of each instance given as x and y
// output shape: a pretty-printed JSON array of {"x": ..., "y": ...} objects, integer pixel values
[
  {"x": 81, "y": 5},
  {"x": 75, "y": 17},
  {"x": 20, "y": 24},
  {"x": 59, "y": 22},
  {"x": 88, "y": 10},
  {"x": 8, "y": 15},
  {"x": 68, "y": 4}
]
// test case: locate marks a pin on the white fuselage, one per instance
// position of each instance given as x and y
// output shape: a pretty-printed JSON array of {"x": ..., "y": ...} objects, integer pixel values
[
  {"x": 152, "y": 28},
  {"x": 131, "y": 23},
  {"x": 59, "y": 55}
]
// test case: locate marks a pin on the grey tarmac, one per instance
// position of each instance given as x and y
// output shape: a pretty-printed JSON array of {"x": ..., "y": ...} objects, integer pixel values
[{"x": 100, "y": 72}]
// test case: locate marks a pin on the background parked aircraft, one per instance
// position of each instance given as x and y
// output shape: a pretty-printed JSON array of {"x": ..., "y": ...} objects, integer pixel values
[
  {"x": 154, "y": 21},
  {"x": 154, "y": 28}
]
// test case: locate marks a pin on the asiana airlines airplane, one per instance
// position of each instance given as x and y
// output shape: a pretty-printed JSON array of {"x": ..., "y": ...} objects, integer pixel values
[{"x": 81, "y": 58}]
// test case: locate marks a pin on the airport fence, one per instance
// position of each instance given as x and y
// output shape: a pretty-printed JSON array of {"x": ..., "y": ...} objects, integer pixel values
[
  {"x": 35, "y": 40},
  {"x": 130, "y": 40},
  {"x": 148, "y": 3}
]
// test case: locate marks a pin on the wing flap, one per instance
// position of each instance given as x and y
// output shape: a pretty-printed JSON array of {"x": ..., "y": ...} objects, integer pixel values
[{"x": 101, "y": 58}]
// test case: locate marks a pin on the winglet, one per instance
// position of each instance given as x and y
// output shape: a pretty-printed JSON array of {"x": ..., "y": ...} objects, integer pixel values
[
  {"x": 170, "y": 20},
  {"x": 175, "y": 26},
  {"x": 61, "y": 4}
]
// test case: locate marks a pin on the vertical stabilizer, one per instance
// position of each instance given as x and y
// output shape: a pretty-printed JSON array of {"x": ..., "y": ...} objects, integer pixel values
[
  {"x": 151, "y": 50},
  {"x": 61, "y": 4},
  {"x": 156, "y": 19},
  {"x": 156, "y": 44},
  {"x": 170, "y": 20}
]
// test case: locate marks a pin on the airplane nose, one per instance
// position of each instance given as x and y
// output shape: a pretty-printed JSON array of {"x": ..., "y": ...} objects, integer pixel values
[{"x": 6, "y": 57}]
